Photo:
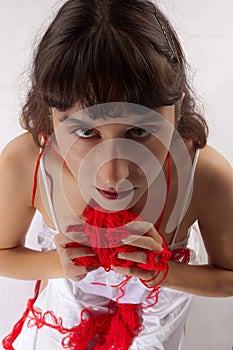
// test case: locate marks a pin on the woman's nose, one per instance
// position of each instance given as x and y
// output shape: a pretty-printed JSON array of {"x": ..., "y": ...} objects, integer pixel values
[{"x": 113, "y": 171}]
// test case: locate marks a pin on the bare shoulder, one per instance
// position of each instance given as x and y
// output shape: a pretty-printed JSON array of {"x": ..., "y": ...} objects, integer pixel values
[
  {"x": 20, "y": 147},
  {"x": 20, "y": 152},
  {"x": 214, "y": 189},
  {"x": 214, "y": 172},
  {"x": 17, "y": 161}
]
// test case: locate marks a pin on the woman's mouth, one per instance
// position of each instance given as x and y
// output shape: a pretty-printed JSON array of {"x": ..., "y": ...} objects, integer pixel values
[{"x": 113, "y": 195}]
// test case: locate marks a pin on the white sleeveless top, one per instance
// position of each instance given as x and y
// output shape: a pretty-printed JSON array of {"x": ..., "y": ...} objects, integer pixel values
[
  {"x": 135, "y": 291},
  {"x": 162, "y": 322}
]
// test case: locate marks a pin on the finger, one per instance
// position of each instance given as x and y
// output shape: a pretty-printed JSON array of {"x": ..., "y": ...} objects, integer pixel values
[
  {"x": 75, "y": 272},
  {"x": 61, "y": 241},
  {"x": 143, "y": 242},
  {"x": 69, "y": 266},
  {"x": 137, "y": 256},
  {"x": 78, "y": 252},
  {"x": 134, "y": 271},
  {"x": 153, "y": 233},
  {"x": 80, "y": 277},
  {"x": 144, "y": 228},
  {"x": 80, "y": 237},
  {"x": 139, "y": 227},
  {"x": 71, "y": 221}
]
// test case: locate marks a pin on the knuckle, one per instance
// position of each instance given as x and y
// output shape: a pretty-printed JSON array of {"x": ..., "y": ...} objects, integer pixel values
[
  {"x": 61, "y": 250},
  {"x": 65, "y": 259},
  {"x": 74, "y": 272},
  {"x": 159, "y": 239},
  {"x": 142, "y": 257},
  {"x": 78, "y": 278},
  {"x": 151, "y": 243},
  {"x": 148, "y": 275},
  {"x": 130, "y": 271},
  {"x": 57, "y": 239},
  {"x": 149, "y": 226},
  {"x": 67, "y": 252},
  {"x": 139, "y": 226}
]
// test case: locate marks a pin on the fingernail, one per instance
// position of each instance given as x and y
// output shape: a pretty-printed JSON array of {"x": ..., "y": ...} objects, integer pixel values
[
  {"x": 90, "y": 254},
  {"x": 76, "y": 236},
  {"x": 70, "y": 222},
  {"x": 139, "y": 226},
  {"x": 127, "y": 240},
  {"x": 130, "y": 239}
]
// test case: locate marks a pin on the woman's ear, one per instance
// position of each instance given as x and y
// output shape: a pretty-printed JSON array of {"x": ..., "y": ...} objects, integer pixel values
[
  {"x": 181, "y": 99},
  {"x": 178, "y": 105}
]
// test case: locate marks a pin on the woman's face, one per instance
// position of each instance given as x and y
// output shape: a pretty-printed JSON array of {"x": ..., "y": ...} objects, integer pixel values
[{"x": 115, "y": 151}]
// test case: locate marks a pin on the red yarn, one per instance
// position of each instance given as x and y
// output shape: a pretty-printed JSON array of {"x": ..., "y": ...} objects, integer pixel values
[
  {"x": 35, "y": 177},
  {"x": 122, "y": 322},
  {"x": 107, "y": 243},
  {"x": 9, "y": 339},
  {"x": 181, "y": 254},
  {"x": 116, "y": 328}
]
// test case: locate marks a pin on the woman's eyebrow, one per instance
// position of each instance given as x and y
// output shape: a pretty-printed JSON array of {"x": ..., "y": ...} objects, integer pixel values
[
  {"x": 148, "y": 119},
  {"x": 72, "y": 120}
]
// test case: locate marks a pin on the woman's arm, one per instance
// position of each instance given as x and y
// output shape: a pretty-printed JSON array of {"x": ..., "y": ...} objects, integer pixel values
[
  {"x": 214, "y": 193},
  {"x": 16, "y": 181},
  {"x": 17, "y": 163},
  {"x": 203, "y": 280},
  {"x": 214, "y": 184}
]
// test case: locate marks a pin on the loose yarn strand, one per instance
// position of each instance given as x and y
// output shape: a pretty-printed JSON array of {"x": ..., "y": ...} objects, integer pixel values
[
  {"x": 8, "y": 341},
  {"x": 122, "y": 322}
]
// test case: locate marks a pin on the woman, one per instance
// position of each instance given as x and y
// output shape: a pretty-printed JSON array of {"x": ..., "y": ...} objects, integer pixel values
[{"x": 104, "y": 72}]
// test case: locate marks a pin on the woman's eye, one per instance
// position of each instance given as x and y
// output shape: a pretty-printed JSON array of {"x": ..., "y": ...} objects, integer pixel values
[
  {"x": 139, "y": 132},
  {"x": 84, "y": 133}
]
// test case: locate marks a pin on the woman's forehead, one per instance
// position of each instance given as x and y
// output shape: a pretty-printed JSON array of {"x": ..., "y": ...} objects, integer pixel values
[{"x": 116, "y": 112}]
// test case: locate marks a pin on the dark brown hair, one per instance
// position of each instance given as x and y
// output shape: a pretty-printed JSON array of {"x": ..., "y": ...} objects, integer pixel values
[{"x": 95, "y": 50}]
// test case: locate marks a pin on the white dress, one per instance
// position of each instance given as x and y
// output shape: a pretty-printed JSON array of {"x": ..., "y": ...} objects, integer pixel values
[{"x": 162, "y": 323}]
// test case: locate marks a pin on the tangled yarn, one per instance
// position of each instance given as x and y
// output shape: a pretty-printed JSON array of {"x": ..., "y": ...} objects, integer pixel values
[
  {"x": 117, "y": 328},
  {"x": 105, "y": 232}
]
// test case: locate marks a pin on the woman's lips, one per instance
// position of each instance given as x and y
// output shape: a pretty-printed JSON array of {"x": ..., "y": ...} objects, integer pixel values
[{"x": 113, "y": 195}]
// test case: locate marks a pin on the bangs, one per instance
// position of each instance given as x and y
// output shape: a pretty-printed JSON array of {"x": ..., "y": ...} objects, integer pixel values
[
  {"x": 109, "y": 66},
  {"x": 100, "y": 51}
]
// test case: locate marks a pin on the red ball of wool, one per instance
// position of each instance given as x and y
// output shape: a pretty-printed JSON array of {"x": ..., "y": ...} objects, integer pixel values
[
  {"x": 117, "y": 328},
  {"x": 105, "y": 232}
]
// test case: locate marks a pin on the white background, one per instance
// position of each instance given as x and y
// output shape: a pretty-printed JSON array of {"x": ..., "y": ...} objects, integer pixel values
[{"x": 205, "y": 28}]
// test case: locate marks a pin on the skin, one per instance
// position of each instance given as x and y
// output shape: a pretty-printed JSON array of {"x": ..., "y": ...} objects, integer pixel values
[{"x": 211, "y": 204}]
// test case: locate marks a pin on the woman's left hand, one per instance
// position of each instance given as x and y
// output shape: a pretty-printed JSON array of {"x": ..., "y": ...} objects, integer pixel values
[{"x": 143, "y": 236}]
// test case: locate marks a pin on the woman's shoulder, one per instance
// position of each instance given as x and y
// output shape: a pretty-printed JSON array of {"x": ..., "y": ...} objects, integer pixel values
[
  {"x": 214, "y": 175},
  {"x": 21, "y": 149},
  {"x": 17, "y": 160},
  {"x": 212, "y": 164}
]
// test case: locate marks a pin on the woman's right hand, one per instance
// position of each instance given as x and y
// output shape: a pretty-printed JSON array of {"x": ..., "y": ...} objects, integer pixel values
[{"x": 66, "y": 254}]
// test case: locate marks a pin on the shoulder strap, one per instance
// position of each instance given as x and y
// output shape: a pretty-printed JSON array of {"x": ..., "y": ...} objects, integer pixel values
[
  {"x": 35, "y": 174},
  {"x": 40, "y": 163},
  {"x": 8, "y": 341},
  {"x": 167, "y": 192},
  {"x": 48, "y": 195},
  {"x": 187, "y": 194}
]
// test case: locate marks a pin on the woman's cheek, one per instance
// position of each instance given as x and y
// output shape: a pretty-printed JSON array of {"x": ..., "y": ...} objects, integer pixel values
[{"x": 75, "y": 157}]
